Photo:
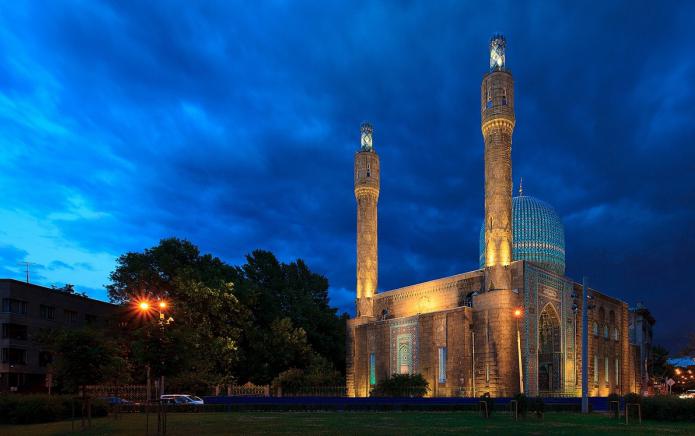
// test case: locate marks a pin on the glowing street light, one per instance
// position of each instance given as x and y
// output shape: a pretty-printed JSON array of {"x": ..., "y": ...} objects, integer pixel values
[{"x": 144, "y": 306}]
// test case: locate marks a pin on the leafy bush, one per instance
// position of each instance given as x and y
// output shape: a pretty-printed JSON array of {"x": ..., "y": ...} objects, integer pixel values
[
  {"x": 402, "y": 385},
  {"x": 611, "y": 406},
  {"x": 489, "y": 401},
  {"x": 319, "y": 373},
  {"x": 537, "y": 406},
  {"x": 668, "y": 408},
  {"x": 32, "y": 409},
  {"x": 522, "y": 404},
  {"x": 633, "y": 398}
]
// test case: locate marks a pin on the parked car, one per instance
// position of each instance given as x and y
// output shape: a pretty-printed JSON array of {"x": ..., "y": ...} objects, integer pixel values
[
  {"x": 115, "y": 401},
  {"x": 182, "y": 399},
  {"x": 688, "y": 394}
]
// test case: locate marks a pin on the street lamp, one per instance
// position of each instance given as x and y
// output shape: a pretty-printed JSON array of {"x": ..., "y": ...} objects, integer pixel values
[
  {"x": 518, "y": 313},
  {"x": 144, "y": 306}
]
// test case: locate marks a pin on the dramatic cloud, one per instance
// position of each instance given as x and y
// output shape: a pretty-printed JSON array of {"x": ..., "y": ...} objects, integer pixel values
[{"x": 235, "y": 127}]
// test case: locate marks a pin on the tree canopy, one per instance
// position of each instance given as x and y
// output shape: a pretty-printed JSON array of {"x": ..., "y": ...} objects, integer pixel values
[{"x": 241, "y": 323}]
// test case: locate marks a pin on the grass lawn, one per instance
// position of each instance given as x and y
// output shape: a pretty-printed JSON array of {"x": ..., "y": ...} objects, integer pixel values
[{"x": 382, "y": 423}]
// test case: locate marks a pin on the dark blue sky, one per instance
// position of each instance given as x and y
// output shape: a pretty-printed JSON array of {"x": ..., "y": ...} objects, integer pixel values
[{"x": 234, "y": 125}]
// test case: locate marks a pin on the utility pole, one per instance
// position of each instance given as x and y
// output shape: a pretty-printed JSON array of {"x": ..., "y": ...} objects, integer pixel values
[{"x": 25, "y": 263}]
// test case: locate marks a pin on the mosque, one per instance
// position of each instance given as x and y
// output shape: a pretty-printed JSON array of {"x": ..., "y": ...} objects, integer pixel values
[{"x": 514, "y": 325}]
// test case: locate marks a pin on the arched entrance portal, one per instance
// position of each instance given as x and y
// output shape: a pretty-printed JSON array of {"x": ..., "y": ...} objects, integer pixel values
[{"x": 549, "y": 351}]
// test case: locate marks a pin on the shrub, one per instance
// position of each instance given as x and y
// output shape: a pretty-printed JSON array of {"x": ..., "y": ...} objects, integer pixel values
[
  {"x": 34, "y": 409},
  {"x": 537, "y": 406},
  {"x": 668, "y": 408},
  {"x": 401, "y": 385},
  {"x": 611, "y": 406},
  {"x": 633, "y": 398},
  {"x": 489, "y": 401},
  {"x": 522, "y": 404}
]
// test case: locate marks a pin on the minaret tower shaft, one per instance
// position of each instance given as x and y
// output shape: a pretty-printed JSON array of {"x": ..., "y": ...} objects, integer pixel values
[
  {"x": 497, "y": 124},
  {"x": 367, "y": 195}
]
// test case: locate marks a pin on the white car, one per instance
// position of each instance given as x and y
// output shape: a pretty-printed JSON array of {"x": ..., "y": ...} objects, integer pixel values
[
  {"x": 182, "y": 399},
  {"x": 690, "y": 393}
]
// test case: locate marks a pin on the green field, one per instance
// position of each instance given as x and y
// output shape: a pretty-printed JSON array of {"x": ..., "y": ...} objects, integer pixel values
[{"x": 381, "y": 423}]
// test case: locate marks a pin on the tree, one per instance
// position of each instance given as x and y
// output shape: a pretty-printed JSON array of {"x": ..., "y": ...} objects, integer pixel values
[
  {"x": 273, "y": 290},
  {"x": 83, "y": 357},
  {"x": 208, "y": 317},
  {"x": 246, "y": 323},
  {"x": 660, "y": 367}
]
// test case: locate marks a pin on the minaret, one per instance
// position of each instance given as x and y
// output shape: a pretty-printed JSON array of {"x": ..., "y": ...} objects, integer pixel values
[
  {"x": 497, "y": 123},
  {"x": 367, "y": 195}
]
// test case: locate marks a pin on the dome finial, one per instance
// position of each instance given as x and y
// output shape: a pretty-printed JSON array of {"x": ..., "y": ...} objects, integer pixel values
[{"x": 521, "y": 187}]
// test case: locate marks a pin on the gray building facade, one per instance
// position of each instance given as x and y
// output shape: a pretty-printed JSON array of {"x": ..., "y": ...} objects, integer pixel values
[{"x": 25, "y": 310}]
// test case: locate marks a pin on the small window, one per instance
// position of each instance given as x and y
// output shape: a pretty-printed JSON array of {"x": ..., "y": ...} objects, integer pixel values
[
  {"x": 70, "y": 316},
  {"x": 504, "y": 96},
  {"x": 47, "y": 312},
  {"x": 372, "y": 369},
  {"x": 14, "y": 331},
  {"x": 607, "y": 369},
  {"x": 487, "y": 373},
  {"x": 605, "y": 331},
  {"x": 14, "y": 356},
  {"x": 442, "y": 364},
  {"x": 369, "y": 170},
  {"x": 616, "y": 334},
  {"x": 10, "y": 305},
  {"x": 489, "y": 104},
  {"x": 594, "y": 328}
]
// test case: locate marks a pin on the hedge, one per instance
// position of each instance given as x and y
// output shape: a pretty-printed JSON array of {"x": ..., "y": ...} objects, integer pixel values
[
  {"x": 34, "y": 409},
  {"x": 668, "y": 408}
]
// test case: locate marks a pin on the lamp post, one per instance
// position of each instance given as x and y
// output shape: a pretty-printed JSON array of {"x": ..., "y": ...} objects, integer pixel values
[
  {"x": 145, "y": 307},
  {"x": 518, "y": 313}
]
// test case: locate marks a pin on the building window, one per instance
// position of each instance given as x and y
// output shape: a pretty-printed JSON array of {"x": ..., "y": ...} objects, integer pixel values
[
  {"x": 605, "y": 331},
  {"x": 442, "y": 364},
  {"x": 10, "y": 305},
  {"x": 45, "y": 358},
  {"x": 369, "y": 170},
  {"x": 47, "y": 312},
  {"x": 616, "y": 334},
  {"x": 504, "y": 96},
  {"x": 14, "y": 356},
  {"x": 70, "y": 316},
  {"x": 594, "y": 328},
  {"x": 595, "y": 369},
  {"x": 372, "y": 369},
  {"x": 607, "y": 369},
  {"x": 487, "y": 373},
  {"x": 14, "y": 331}
]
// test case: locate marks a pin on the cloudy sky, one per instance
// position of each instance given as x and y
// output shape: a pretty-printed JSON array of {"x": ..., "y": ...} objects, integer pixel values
[{"x": 234, "y": 124}]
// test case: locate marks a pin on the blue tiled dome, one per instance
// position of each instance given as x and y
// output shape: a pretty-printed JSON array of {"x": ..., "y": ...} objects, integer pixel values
[{"x": 538, "y": 234}]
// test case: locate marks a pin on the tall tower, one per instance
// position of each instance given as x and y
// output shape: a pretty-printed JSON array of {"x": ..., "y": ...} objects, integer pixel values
[
  {"x": 367, "y": 195},
  {"x": 497, "y": 124}
]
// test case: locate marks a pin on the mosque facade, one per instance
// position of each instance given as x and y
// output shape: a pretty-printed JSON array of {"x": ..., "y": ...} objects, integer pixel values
[{"x": 514, "y": 325}]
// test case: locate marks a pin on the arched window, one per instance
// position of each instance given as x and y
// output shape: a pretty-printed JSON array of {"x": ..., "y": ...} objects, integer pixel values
[
  {"x": 594, "y": 328},
  {"x": 616, "y": 334},
  {"x": 605, "y": 331}
]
